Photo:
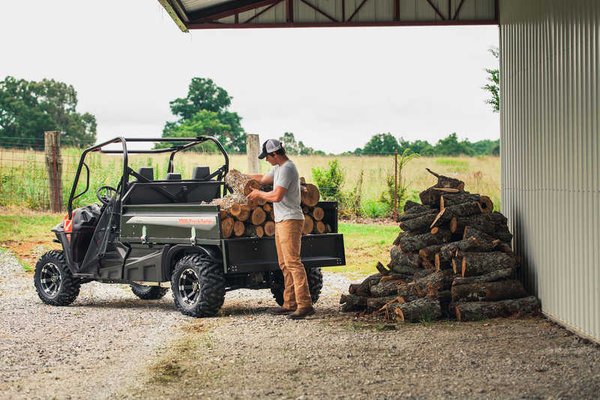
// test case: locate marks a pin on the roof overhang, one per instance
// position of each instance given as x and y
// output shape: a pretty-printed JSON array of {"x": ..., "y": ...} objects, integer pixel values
[{"x": 225, "y": 14}]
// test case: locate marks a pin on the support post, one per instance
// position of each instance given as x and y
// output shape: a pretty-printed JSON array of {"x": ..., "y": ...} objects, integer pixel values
[
  {"x": 396, "y": 185},
  {"x": 252, "y": 150},
  {"x": 54, "y": 169}
]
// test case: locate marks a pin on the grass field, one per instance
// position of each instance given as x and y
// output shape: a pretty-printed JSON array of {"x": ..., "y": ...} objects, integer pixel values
[
  {"x": 24, "y": 183},
  {"x": 28, "y": 236}
]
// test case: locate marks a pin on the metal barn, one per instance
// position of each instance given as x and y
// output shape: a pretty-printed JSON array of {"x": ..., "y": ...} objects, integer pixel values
[{"x": 550, "y": 120}]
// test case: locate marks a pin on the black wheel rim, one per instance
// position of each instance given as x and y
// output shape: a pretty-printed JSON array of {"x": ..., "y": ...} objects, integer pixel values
[
  {"x": 50, "y": 279},
  {"x": 189, "y": 286}
]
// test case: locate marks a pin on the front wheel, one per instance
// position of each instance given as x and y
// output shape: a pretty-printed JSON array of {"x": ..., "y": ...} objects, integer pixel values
[
  {"x": 148, "y": 292},
  {"x": 198, "y": 285},
  {"x": 53, "y": 280},
  {"x": 315, "y": 284}
]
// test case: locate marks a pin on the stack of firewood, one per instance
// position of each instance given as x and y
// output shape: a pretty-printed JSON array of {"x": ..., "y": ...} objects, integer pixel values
[
  {"x": 453, "y": 259},
  {"x": 241, "y": 217}
]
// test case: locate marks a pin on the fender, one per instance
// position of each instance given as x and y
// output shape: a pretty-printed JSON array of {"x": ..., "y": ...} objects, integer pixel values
[{"x": 174, "y": 252}]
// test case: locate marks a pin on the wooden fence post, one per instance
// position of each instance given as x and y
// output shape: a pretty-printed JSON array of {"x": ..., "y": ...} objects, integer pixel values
[
  {"x": 54, "y": 168},
  {"x": 252, "y": 150},
  {"x": 395, "y": 185}
]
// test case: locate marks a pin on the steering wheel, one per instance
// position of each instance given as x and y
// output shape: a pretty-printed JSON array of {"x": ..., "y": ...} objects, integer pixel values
[{"x": 103, "y": 194}]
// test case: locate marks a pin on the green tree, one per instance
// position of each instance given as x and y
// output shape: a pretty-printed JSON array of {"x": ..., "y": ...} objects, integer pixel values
[
  {"x": 450, "y": 146},
  {"x": 383, "y": 143},
  {"x": 493, "y": 85},
  {"x": 329, "y": 180},
  {"x": 293, "y": 147},
  {"x": 28, "y": 108},
  {"x": 205, "y": 112}
]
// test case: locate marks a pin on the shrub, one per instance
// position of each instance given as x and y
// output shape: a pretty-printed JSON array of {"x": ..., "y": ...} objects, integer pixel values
[
  {"x": 375, "y": 209},
  {"x": 387, "y": 197},
  {"x": 330, "y": 181}
]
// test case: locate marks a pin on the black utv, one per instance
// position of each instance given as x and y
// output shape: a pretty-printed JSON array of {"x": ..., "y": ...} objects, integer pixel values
[{"x": 149, "y": 232}]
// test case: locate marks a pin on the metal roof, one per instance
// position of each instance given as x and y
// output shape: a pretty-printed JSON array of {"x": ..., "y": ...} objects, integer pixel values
[{"x": 224, "y": 14}]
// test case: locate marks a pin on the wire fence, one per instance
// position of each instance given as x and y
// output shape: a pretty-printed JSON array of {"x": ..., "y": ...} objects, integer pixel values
[{"x": 25, "y": 183}]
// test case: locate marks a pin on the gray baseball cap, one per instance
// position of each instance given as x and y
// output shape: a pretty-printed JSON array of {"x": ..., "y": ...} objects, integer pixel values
[{"x": 270, "y": 146}]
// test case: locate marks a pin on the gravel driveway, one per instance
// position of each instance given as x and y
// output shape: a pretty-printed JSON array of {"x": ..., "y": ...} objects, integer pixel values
[{"x": 109, "y": 344}]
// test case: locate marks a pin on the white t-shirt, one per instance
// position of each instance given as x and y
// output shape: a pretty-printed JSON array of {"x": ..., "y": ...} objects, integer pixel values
[{"x": 286, "y": 176}]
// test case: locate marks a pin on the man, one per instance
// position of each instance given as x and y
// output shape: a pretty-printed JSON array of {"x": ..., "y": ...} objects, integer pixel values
[{"x": 289, "y": 221}]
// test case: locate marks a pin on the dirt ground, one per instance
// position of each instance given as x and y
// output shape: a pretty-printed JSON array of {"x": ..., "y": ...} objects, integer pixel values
[{"x": 111, "y": 345}]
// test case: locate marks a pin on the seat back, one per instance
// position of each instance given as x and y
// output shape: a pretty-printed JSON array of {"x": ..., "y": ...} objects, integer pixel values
[
  {"x": 199, "y": 173},
  {"x": 147, "y": 172},
  {"x": 171, "y": 176}
]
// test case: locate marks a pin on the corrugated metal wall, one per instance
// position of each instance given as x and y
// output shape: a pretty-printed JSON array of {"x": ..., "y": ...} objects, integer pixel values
[{"x": 550, "y": 116}]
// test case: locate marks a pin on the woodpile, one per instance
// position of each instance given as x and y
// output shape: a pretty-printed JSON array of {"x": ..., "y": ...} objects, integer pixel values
[
  {"x": 452, "y": 259},
  {"x": 243, "y": 218}
]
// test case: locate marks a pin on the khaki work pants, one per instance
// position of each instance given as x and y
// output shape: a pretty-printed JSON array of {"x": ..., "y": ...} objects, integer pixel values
[{"x": 288, "y": 238}]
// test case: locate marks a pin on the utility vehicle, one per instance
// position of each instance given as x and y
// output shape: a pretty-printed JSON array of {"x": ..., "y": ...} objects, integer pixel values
[{"x": 154, "y": 233}]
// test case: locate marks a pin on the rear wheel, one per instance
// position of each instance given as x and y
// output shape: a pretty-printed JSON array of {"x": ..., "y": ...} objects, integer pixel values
[
  {"x": 148, "y": 292},
  {"x": 315, "y": 284},
  {"x": 198, "y": 285},
  {"x": 53, "y": 280}
]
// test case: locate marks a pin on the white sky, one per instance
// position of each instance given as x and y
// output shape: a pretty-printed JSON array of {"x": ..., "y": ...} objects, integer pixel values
[{"x": 333, "y": 88}]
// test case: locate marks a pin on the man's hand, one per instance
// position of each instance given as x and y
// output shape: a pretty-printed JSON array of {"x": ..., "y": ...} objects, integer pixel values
[{"x": 255, "y": 194}]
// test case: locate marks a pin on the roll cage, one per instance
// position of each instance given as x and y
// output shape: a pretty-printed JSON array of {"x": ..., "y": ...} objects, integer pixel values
[{"x": 178, "y": 144}]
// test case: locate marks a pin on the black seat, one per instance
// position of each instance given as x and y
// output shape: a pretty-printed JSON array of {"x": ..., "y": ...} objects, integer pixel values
[
  {"x": 147, "y": 172},
  {"x": 171, "y": 176},
  {"x": 200, "y": 173}
]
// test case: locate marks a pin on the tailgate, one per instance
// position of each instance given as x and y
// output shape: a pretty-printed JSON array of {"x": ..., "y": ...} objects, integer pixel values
[{"x": 245, "y": 255}]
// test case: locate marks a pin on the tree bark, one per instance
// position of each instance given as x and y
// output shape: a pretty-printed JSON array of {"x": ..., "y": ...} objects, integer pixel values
[
  {"x": 447, "y": 182},
  {"x": 493, "y": 224},
  {"x": 352, "y": 302},
  {"x": 419, "y": 224},
  {"x": 489, "y": 277},
  {"x": 364, "y": 288},
  {"x": 458, "y": 210},
  {"x": 431, "y": 196},
  {"x": 476, "y": 311},
  {"x": 412, "y": 207},
  {"x": 452, "y": 199},
  {"x": 444, "y": 257},
  {"x": 419, "y": 310},
  {"x": 474, "y": 264},
  {"x": 241, "y": 183},
  {"x": 488, "y": 291},
  {"x": 375, "y": 303},
  {"x": 414, "y": 243}
]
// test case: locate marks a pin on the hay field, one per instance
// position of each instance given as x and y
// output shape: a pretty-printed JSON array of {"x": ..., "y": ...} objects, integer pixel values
[{"x": 24, "y": 183}]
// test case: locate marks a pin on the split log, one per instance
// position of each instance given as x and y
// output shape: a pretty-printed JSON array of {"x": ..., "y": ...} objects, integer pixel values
[
  {"x": 244, "y": 214},
  {"x": 308, "y": 226},
  {"x": 493, "y": 224},
  {"x": 261, "y": 202},
  {"x": 458, "y": 211},
  {"x": 235, "y": 209},
  {"x": 269, "y": 228},
  {"x": 444, "y": 257},
  {"x": 398, "y": 258},
  {"x": 239, "y": 228},
  {"x": 352, "y": 302},
  {"x": 488, "y": 291},
  {"x": 431, "y": 196},
  {"x": 268, "y": 207},
  {"x": 227, "y": 227},
  {"x": 447, "y": 182},
  {"x": 414, "y": 207},
  {"x": 223, "y": 214},
  {"x": 452, "y": 199},
  {"x": 320, "y": 227},
  {"x": 416, "y": 242},
  {"x": 477, "y": 234},
  {"x": 382, "y": 269},
  {"x": 474, "y": 264},
  {"x": 254, "y": 231},
  {"x": 310, "y": 197},
  {"x": 427, "y": 255},
  {"x": 384, "y": 289},
  {"x": 376, "y": 303},
  {"x": 363, "y": 288},
  {"x": 476, "y": 311},
  {"x": 318, "y": 213},
  {"x": 419, "y": 224},
  {"x": 431, "y": 284},
  {"x": 241, "y": 183},
  {"x": 425, "y": 309},
  {"x": 258, "y": 216},
  {"x": 489, "y": 277}
]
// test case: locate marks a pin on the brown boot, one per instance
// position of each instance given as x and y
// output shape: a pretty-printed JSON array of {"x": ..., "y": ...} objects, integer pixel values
[
  {"x": 302, "y": 313},
  {"x": 281, "y": 311}
]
